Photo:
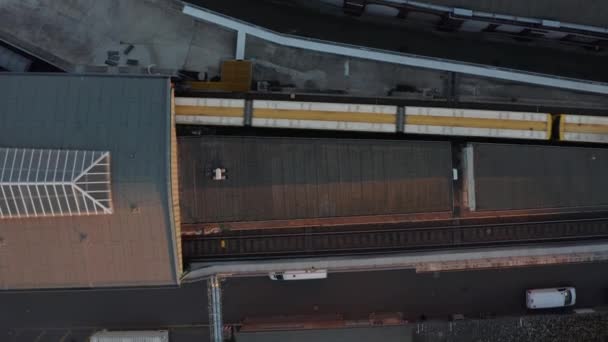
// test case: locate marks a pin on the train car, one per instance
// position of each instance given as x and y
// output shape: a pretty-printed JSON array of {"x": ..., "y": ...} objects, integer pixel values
[
  {"x": 209, "y": 111},
  {"x": 583, "y": 128},
  {"x": 364, "y": 118},
  {"x": 327, "y": 116},
  {"x": 477, "y": 123}
]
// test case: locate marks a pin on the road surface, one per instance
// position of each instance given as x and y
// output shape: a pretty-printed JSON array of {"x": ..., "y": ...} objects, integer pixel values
[
  {"x": 499, "y": 291},
  {"x": 24, "y": 316}
]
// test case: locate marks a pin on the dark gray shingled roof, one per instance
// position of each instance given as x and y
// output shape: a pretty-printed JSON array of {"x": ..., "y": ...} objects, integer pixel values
[{"x": 130, "y": 118}]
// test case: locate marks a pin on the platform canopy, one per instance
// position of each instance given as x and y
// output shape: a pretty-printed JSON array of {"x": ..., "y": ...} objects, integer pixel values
[{"x": 43, "y": 182}]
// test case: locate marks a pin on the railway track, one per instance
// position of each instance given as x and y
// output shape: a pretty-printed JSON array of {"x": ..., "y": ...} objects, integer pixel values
[{"x": 245, "y": 245}]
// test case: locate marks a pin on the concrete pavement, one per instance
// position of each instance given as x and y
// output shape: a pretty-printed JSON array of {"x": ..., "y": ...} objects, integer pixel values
[
  {"x": 474, "y": 48},
  {"x": 78, "y": 36},
  {"x": 313, "y": 71}
]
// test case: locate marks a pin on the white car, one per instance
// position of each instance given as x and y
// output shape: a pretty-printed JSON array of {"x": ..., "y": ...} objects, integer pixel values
[{"x": 299, "y": 275}]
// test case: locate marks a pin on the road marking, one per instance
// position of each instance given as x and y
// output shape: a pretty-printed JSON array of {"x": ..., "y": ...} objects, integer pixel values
[
  {"x": 67, "y": 333},
  {"x": 42, "y": 333}
]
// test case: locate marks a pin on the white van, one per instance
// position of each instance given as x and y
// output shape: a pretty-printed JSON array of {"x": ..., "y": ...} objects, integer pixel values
[
  {"x": 123, "y": 336},
  {"x": 550, "y": 298},
  {"x": 299, "y": 275}
]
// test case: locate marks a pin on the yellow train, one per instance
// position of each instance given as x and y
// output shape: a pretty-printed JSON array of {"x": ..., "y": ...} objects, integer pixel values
[{"x": 390, "y": 118}]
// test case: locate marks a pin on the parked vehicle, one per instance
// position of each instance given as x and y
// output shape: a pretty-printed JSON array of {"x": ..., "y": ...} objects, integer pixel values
[
  {"x": 550, "y": 298},
  {"x": 123, "y": 336},
  {"x": 299, "y": 275}
]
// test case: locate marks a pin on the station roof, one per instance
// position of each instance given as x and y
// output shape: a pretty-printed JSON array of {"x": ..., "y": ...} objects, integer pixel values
[
  {"x": 304, "y": 178},
  {"x": 358, "y": 334},
  {"x": 85, "y": 185},
  {"x": 511, "y": 177}
]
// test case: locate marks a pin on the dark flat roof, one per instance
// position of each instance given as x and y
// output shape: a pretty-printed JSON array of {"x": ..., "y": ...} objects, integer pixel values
[
  {"x": 358, "y": 334},
  {"x": 289, "y": 178},
  {"x": 127, "y": 116},
  {"x": 539, "y": 177}
]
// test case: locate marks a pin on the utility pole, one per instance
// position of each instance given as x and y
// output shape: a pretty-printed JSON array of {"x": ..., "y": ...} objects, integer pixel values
[{"x": 214, "y": 293}]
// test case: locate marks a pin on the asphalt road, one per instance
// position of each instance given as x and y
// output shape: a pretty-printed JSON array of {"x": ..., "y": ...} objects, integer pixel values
[
  {"x": 118, "y": 308},
  {"x": 50, "y": 316},
  {"x": 71, "y": 316},
  {"x": 499, "y": 291},
  {"x": 474, "y": 48}
]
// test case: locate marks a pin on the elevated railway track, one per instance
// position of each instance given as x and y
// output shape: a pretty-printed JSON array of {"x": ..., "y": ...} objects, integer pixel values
[
  {"x": 310, "y": 243},
  {"x": 487, "y": 191}
]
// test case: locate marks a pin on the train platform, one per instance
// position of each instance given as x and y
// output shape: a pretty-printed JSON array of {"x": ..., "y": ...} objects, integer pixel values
[
  {"x": 186, "y": 43},
  {"x": 424, "y": 261}
]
